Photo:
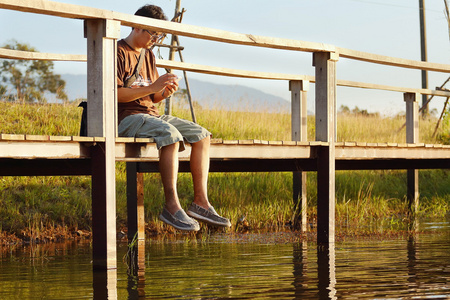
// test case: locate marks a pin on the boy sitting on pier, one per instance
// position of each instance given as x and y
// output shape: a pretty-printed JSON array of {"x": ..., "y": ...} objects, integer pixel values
[{"x": 138, "y": 117}]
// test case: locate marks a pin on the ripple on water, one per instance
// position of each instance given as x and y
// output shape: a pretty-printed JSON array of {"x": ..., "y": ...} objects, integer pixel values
[{"x": 242, "y": 266}]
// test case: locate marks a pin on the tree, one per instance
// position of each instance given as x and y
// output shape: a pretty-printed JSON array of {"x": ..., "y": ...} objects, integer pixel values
[
  {"x": 344, "y": 109},
  {"x": 29, "y": 80}
]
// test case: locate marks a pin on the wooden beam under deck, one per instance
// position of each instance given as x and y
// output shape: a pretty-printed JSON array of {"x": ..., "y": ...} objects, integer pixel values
[
  {"x": 45, "y": 167},
  {"x": 82, "y": 167},
  {"x": 50, "y": 155}
]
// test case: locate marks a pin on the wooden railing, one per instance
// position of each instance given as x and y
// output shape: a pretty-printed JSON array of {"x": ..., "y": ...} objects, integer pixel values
[{"x": 102, "y": 148}]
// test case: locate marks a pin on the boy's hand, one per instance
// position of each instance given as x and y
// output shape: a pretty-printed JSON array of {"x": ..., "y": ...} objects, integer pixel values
[{"x": 172, "y": 85}]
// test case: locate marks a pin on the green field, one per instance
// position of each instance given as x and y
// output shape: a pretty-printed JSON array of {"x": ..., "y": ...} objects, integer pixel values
[{"x": 368, "y": 201}]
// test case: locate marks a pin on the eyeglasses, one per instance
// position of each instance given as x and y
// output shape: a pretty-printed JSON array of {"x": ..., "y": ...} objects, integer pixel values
[{"x": 155, "y": 36}]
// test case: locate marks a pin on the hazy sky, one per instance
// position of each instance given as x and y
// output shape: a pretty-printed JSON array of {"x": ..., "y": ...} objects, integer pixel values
[{"x": 388, "y": 27}]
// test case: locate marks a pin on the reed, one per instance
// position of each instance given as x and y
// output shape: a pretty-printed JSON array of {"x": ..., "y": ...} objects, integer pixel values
[
  {"x": 364, "y": 199},
  {"x": 36, "y": 119}
]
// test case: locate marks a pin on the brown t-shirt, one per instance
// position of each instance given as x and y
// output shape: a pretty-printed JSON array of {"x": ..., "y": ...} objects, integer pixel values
[{"x": 127, "y": 60}]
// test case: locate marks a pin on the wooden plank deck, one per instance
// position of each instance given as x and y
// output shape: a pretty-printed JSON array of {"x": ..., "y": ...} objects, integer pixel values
[{"x": 286, "y": 155}]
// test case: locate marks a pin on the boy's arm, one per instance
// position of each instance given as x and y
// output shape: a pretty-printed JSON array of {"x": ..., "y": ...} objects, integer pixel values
[{"x": 162, "y": 88}]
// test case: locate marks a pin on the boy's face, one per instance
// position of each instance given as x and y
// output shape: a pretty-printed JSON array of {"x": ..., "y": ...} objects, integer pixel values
[{"x": 149, "y": 38}]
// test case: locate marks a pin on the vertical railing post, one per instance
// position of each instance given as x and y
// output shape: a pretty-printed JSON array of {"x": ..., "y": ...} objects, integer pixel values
[
  {"x": 101, "y": 37},
  {"x": 412, "y": 137},
  {"x": 325, "y": 72},
  {"x": 299, "y": 128}
]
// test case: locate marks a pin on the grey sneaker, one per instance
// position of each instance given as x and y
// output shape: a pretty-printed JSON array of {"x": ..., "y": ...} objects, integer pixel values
[
  {"x": 208, "y": 216},
  {"x": 179, "y": 220}
]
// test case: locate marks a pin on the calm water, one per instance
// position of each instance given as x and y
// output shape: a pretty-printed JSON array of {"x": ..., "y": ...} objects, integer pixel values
[{"x": 248, "y": 266}]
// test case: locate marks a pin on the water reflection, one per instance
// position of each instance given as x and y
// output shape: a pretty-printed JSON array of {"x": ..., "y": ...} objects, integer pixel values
[
  {"x": 105, "y": 281},
  {"x": 411, "y": 258},
  {"x": 105, "y": 284},
  {"x": 326, "y": 271},
  {"x": 300, "y": 272},
  {"x": 235, "y": 266},
  {"x": 136, "y": 271}
]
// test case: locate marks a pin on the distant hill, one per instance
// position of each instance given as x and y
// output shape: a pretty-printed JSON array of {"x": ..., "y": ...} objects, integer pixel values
[{"x": 232, "y": 97}]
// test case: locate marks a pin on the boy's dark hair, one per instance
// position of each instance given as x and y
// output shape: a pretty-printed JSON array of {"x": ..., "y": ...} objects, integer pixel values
[{"x": 151, "y": 11}]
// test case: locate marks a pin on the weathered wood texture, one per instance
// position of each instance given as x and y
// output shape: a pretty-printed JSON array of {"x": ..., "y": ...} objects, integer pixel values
[
  {"x": 219, "y": 71},
  {"x": 83, "y": 12},
  {"x": 412, "y": 137},
  {"x": 28, "y": 55},
  {"x": 135, "y": 203},
  {"x": 392, "y": 61},
  {"x": 325, "y": 66},
  {"x": 28, "y": 147},
  {"x": 299, "y": 132},
  {"x": 101, "y": 38}
]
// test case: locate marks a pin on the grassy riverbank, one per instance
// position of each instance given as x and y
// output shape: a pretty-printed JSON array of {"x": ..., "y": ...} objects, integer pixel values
[{"x": 39, "y": 207}]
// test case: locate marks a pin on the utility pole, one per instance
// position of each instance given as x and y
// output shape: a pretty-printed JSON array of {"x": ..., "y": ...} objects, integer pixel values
[
  {"x": 423, "y": 51},
  {"x": 447, "y": 16}
]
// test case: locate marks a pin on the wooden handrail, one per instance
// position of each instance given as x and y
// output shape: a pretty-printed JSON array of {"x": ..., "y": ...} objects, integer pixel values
[
  {"x": 392, "y": 61},
  {"x": 373, "y": 86},
  {"x": 83, "y": 12},
  {"x": 228, "y": 72},
  {"x": 28, "y": 55},
  {"x": 16, "y": 54},
  {"x": 58, "y": 9}
]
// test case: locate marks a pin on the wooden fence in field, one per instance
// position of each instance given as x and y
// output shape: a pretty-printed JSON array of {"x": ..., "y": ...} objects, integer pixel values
[{"x": 96, "y": 154}]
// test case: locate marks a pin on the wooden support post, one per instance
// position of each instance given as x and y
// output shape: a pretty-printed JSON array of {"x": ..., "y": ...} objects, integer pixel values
[
  {"x": 136, "y": 224},
  {"x": 325, "y": 65},
  {"x": 299, "y": 128},
  {"x": 102, "y": 100},
  {"x": 135, "y": 203},
  {"x": 412, "y": 137}
]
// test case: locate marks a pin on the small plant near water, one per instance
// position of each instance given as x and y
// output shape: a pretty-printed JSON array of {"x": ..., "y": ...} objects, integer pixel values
[{"x": 368, "y": 201}]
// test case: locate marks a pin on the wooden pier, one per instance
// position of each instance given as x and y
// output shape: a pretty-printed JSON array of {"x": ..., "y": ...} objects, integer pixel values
[{"x": 95, "y": 155}]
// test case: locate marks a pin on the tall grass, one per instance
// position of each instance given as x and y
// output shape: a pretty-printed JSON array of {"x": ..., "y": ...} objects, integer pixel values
[
  {"x": 37, "y": 119},
  {"x": 29, "y": 205},
  {"x": 377, "y": 129}
]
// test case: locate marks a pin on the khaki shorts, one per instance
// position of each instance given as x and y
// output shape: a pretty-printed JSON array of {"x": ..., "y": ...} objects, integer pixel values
[{"x": 165, "y": 130}]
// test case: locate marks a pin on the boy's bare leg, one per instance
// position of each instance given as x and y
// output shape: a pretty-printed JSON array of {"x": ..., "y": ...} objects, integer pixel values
[
  {"x": 199, "y": 169},
  {"x": 201, "y": 208},
  {"x": 168, "y": 168}
]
